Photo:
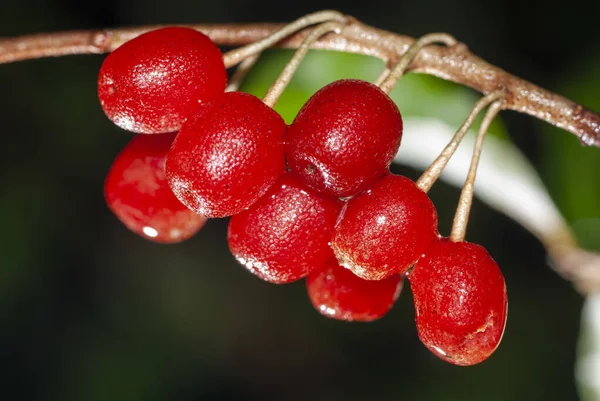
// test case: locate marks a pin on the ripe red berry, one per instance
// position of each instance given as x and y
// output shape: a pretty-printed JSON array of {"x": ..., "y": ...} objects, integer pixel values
[
  {"x": 460, "y": 301},
  {"x": 383, "y": 231},
  {"x": 152, "y": 83},
  {"x": 286, "y": 234},
  {"x": 137, "y": 192},
  {"x": 227, "y": 155},
  {"x": 339, "y": 294},
  {"x": 344, "y": 138}
]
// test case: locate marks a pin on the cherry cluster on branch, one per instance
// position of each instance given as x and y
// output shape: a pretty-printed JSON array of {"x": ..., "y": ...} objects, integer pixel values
[{"x": 314, "y": 200}]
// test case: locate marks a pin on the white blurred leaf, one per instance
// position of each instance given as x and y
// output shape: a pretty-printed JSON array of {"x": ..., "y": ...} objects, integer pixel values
[{"x": 587, "y": 368}]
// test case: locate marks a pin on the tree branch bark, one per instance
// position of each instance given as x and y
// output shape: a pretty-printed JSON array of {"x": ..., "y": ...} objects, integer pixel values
[{"x": 455, "y": 63}]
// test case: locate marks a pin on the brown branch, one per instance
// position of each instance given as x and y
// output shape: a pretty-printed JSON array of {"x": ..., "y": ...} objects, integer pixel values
[{"x": 455, "y": 64}]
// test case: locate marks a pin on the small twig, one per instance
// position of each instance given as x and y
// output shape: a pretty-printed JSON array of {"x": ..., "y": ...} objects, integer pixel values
[
  {"x": 455, "y": 64},
  {"x": 461, "y": 218},
  {"x": 241, "y": 71},
  {"x": 433, "y": 172},
  {"x": 382, "y": 76},
  {"x": 235, "y": 56},
  {"x": 286, "y": 75},
  {"x": 396, "y": 73}
]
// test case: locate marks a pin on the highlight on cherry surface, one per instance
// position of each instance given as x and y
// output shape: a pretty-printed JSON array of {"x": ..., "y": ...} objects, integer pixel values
[
  {"x": 285, "y": 235},
  {"x": 460, "y": 301},
  {"x": 151, "y": 83},
  {"x": 339, "y": 294},
  {"x": 344, "y": 138},
  {"x": 227, "y": 155},
  {"x": 137, "y": 192},
  {"x": 384, "y": 230}
]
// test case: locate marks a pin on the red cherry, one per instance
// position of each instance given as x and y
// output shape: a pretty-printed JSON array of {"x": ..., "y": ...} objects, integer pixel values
[
  {"x": 227, "y": 155},
  {"x": 137, "y": 192},
  {"x": 337, "y": 293},
  {"x": 460, "y": 301},
  {"x": 150, "y": 84},
  {"x": 344, "y": 138},
  {"x": 286, "y": 234},
  {"x": 384, "y": 230}
]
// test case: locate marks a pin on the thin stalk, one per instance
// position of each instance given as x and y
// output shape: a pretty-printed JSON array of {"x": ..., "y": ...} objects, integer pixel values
[
  {"x": 286, "y": 75},
  {"x": 399, "y": 69},
  {"x": 461, "y": 218},
  {"x": 240, "y": 73},
  {"x": 235, "y": 56},
  {"x": 433, "y": 172}
]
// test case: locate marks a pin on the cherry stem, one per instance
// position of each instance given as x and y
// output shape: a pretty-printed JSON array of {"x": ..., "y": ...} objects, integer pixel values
[
  {"x": 433, "y": 172},
  {"x": 382, "y": 76},
  {"x": 286, "y": 75},
  {"x": 399, "y": 69},
  {"x": 235, "y": 56},
  {"x": 241, "y": 72},
  {"x": 461, "y": 218}
]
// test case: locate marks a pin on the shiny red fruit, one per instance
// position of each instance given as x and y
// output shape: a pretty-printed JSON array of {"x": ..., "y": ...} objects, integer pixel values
[
  {"x": 137, "y": 192},
  {"x": 337, "y": 293},
  {"x": 460, "y": 301},
  {"x": 383, "y": 231},
  {"x": 344, "y": 138},
  {"x": 286, "y": 234},
  {"x": 227, "y": 155},
  {"x": 150, "y": 84}
]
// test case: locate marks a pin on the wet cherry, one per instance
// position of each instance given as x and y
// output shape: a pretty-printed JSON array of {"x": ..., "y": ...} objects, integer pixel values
[
  {"x": 286, "y": 234},
  {"x": 460, "y": 301},
  {"x": 136, "y": 190},
  {"x": 227, "y": 155},
  {"x": 150, "y": 84},
  {"x": 383, "y": 231},
  {"x": 344, "y": 138},
  {"x": 339, "y": 294}
]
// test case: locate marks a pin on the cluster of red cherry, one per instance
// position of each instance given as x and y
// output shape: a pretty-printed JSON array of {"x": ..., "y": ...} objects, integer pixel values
[{"x": 334, "y": 214}]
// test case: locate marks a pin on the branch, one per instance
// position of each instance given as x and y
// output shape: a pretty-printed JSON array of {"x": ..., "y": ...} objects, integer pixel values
[{"x": 455, "y": 63}]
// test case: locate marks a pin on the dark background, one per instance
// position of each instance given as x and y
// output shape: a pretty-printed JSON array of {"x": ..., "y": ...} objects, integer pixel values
[{"x": 89, "y": 311}]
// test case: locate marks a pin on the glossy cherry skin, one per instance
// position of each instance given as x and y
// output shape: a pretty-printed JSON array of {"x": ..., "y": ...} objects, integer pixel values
[
  {"x": 383, "y": 231},
  {"x": 150, "y": 84},
  {"x": 460, "y": 301},
  {"x": 339, "y": 294},
  {"x": 286, "y": 234},
  {"x": 137, "y": 192},
  {"x": 227, "y": 155},
  {"x": 344, "y": 138}
]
